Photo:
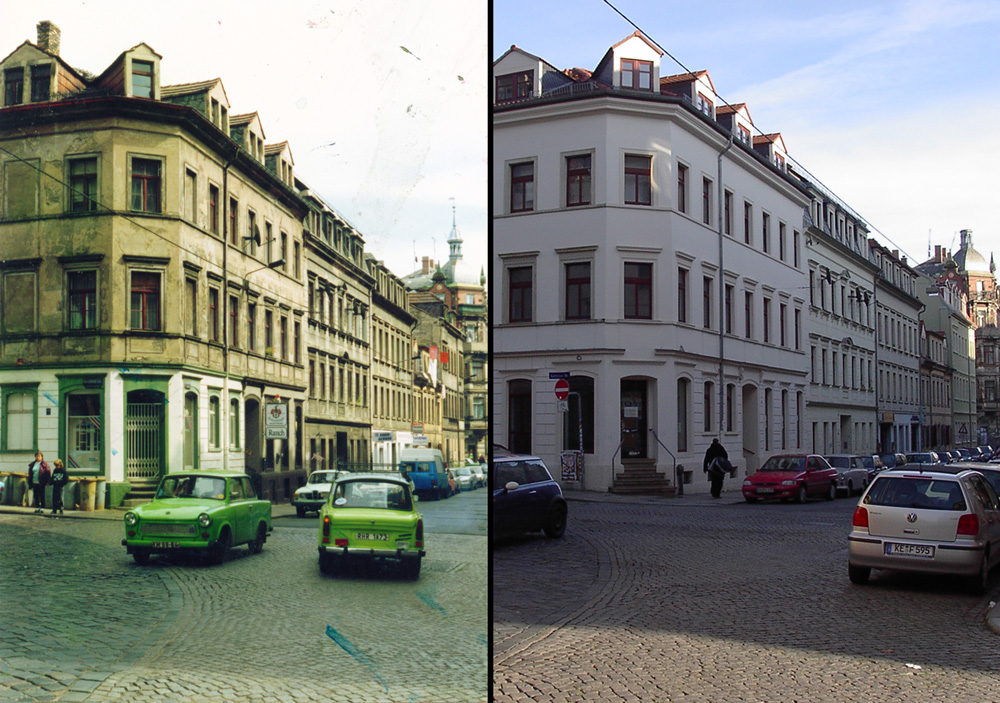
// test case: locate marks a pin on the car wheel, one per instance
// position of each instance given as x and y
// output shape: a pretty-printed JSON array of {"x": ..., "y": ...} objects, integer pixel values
[
  {"x": 141, "y": 557},
  {"x": 831, "y": 492},
  {"x": 858, "y": 574},
  {"x": 258, "y": 542},
  {"x": 301, "y": 512},
  {"x": 555, "y": 526},
  {"x": 801, "y": 496},
  {"x": 411, "y": 568},
  {"x": 223, "y": 547},
  {"x": 980, "y": 582}
]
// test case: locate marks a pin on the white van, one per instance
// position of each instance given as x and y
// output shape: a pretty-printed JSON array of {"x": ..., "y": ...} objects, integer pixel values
[{"x": 425, "y": 467}]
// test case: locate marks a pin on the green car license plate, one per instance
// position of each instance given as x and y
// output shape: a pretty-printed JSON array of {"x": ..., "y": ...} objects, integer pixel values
[
  {"x": 909, "y": 550},
  {"x": 371, "y": 536},
  {"x": 164, "y": 545}
]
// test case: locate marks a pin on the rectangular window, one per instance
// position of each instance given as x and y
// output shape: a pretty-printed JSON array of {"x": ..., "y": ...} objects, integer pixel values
[
  {"x": 637, "y": 75},
  {"x": 728, "y": 214},
  {"x": 747, "y": 223},
  {"x": 252, "y": 326},
  {"x": 234, "y": 428},
  {"x": 748, "y": 314},
  {"x": 795, "y": 248},
  {"x": 781, "y": 241},
  {"x": 730, "y": 404},
  {"x": 145, "y": 185},
  {"x": 765, "y": 229},
  {"x": 637, "y": 180},
  {"x": 705, "y": 104},
  {"x": 706, "y": 201},
  {"x": 213, "y": 314},
  {"x": 82, "y": 287},
  {"x": 213, "y": 208},
  {"x": 213, "y": 422},
  {"x": 578, "y": 180},
  {"x": 283, "y": 243},
  {"x": 514, "y": 86},
  {"x": 252, "y": 235},
  {"x": 234, "y": 206},
  {"x": 145, "y": 301},
  {"x": 682, "y": 295},
  {"x": 706, "y": 301},
  {"x": 782, "y": 323},
  {"x": 234, "y": 311},
  {"x": 19, "y": 419},
  {"x": 729, "y": 309},
  {"x": 83, "y": 184},
  {"x": 284, "y": 338},
  {"x": 638, "y": 291},
  {"x": 41, "y": 82},
  {"x": 708, "y": 402},
  {"x": 682, "y": 173},
  {"x": 269, "y": 332},
  {"x": 683, "y": 389},
  {"x": 142, "y": 79},
  {"x": 191, "y": 303},
  {"x": 191, "y": 196},
  {"x": 296, "y": 344},
  {"x": 519, "y": 285},
  {"x": 767, "y": 320},
  {"x": 296, "y": 261},
  {"x": 578, "y": 291},
  {"x": 522, "y": 187},
  {"x": 13, "y": 79},
  {"x": 743, "y": 134},
  {"x": 268, "y": 241}
]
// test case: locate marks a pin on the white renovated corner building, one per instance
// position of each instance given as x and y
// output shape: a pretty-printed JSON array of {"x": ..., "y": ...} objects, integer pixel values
[{"x": 650, "y": 250}]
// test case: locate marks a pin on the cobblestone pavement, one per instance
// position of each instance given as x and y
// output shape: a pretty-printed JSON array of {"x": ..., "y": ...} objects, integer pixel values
[
  {"x": 253, "y": 629},
  {"x": 695, "y": 601}
]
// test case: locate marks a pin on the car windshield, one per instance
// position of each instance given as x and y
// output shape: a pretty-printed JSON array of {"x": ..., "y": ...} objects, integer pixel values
[
  {"x": 323, "y": 477},
  {"x": 842, "y": 462},
  {"x": 464, "y": 472},
  {"x": 784, "y": 463},
  {"x": 921, "y": 493},
  {"x": 385, "y": 495},
  {"x": 208, "y": 487},
  {"x": 868, "y": 461}
]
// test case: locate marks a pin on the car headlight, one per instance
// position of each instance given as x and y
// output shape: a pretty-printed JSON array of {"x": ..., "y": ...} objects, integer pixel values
[
  {"x": 131, "y": 519},
  {"x": 788, "y": 483},
  {"x": 204, "y": 519}
]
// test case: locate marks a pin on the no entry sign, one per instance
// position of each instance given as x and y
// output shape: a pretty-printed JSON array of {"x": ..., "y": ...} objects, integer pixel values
[{"x": 562, "y": 389}]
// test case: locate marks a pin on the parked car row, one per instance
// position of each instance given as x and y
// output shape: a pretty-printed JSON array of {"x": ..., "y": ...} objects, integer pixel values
[{"x": 363, "y": 516}]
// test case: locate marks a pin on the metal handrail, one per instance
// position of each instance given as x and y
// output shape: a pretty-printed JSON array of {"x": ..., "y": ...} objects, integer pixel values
[{"x": 680, "y": 484}]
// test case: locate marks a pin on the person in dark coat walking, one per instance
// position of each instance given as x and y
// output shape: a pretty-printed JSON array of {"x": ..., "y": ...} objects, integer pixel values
[
  {"x": 38, "y": 477},
  {"x": 59, "y": 479},
  {"x": 715, "y": 465}
]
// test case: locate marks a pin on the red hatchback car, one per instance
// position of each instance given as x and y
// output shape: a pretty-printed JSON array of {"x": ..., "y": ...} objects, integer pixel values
[{"x": 787, "y": 476}]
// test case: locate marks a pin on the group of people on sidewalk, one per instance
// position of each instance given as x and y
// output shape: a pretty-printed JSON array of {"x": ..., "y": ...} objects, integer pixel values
[{"x": 41, "y": 475}]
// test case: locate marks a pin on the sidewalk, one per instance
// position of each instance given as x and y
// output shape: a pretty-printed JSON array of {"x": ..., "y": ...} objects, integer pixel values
[{"x": 705, "y": 499}]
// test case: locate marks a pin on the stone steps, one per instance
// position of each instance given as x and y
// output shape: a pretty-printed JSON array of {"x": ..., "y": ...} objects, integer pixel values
[{"x": 642, "y": 479}]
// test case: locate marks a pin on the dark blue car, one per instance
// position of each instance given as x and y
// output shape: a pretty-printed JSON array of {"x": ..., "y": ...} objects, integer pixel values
[{"x": 525, "y": 497}]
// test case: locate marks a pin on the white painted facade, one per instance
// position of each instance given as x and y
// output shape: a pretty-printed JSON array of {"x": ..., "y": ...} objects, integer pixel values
[{"x": 668, "y": 378}]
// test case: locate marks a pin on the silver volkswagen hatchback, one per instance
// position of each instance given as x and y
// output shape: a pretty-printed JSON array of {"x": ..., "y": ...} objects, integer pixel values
[{"x": 926, "y": 521}]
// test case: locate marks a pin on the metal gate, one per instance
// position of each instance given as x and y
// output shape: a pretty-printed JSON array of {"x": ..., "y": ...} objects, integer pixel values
[{"x": 144, "y": 423}]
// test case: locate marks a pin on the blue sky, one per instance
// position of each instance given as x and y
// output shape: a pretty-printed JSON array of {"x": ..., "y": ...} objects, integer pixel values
[
  {"x": 384, "y": 104},
  {"x": 890, "y": 104}
]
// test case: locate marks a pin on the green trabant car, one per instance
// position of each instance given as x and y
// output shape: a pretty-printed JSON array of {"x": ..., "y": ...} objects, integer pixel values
[
  {"x": 206, "y": 512},
  {"x": 371, "y": 516}
]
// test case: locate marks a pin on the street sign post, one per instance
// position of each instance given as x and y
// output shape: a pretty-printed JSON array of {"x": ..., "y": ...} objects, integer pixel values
[{"x": 562, "y": 389}]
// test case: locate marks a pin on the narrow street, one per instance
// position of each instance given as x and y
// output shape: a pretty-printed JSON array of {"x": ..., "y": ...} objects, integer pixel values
[
  {"x": 692, "y": 600},
  {"x": 82, "y": 622}
]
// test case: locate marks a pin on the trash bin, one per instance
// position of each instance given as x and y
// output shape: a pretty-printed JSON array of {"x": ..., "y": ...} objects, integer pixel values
[
  {"x": 18, "y": 487},
  {"x": 99, "y": 494},
  {"x": 88, "y": 493},
  {"x": 70, "y": 495}
]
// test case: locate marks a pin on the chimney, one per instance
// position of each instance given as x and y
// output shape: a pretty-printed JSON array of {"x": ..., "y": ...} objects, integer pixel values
[
  {"x": 937, "y": 253},
  {"x": 425, "y": 266},
  {"x": 48, "y": 37}
]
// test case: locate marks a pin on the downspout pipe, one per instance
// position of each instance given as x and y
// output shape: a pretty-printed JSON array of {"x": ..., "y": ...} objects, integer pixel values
[{"x": 722, "y": 292}]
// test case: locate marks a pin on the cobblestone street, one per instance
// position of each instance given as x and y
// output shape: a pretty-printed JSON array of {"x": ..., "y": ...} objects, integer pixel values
[
  {"x": 82, "y": 622},
  {"x": 687, "y": 600}
]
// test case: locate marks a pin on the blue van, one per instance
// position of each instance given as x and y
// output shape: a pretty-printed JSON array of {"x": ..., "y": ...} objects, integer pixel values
[{"x": 425, "y": 467}]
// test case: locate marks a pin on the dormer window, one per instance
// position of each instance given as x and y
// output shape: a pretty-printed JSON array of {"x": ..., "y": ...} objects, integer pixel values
[
  {"x": 514, "y": 86},
  {"x": 13, "y": 79},
  {"x": 637, "y": 75},
  {"x": 142, "y": 79},
  {"x": 743, "y": 134},
  {"x": 779, "y": 161},
  {"x": 704, "y": 104},
  {"x": 41, "y": 82}
]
